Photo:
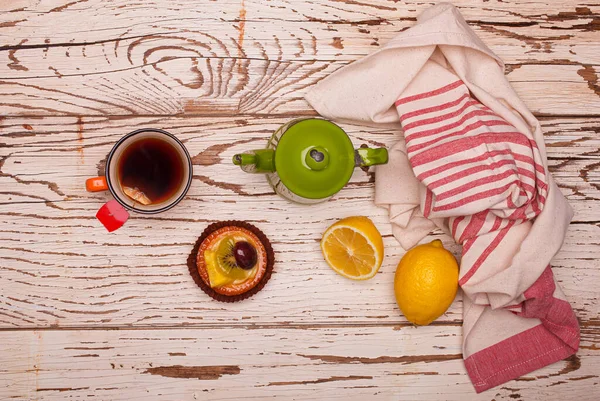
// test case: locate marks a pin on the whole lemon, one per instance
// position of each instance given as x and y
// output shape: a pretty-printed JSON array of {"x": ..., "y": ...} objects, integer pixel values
[{"x": 426, "y": 282}]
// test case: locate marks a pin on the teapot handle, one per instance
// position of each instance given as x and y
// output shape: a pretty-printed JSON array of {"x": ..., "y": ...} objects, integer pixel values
[{"x": 365, "y": 157}]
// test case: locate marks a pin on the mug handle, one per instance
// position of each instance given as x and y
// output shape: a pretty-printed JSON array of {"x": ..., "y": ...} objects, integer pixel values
[
  {"x": 96, "y": 184},
  {"x": 112, "y": 215}
]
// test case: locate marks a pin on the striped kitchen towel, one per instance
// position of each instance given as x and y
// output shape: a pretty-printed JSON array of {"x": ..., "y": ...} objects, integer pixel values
[{"x": 471, "y": 162}]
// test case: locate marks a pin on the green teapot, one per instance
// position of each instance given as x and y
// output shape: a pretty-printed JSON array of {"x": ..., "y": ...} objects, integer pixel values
[{"x": 309, "y": 160}]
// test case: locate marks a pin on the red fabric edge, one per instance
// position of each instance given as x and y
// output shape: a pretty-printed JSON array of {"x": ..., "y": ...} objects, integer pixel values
[
  {"x": 556, "y": 314},
  {"x": 556, "y": 338},
  {"x": 518, "y": 355}
]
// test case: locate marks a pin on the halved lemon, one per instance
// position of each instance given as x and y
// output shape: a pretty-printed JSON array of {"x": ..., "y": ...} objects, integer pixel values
[{"x": 353, "y": 247}]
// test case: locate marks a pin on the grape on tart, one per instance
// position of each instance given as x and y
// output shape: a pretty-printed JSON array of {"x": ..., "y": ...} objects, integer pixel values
[{"x": 231, "y": 261}]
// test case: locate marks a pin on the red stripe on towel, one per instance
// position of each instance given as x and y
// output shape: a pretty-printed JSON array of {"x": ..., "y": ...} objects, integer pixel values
[
  {"x": 490, "y": 248},
  {"x": 436, "y": 92}
]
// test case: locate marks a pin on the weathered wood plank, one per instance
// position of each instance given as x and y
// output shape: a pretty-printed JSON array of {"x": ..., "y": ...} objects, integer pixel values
[
  {"x": 206, "y": 86},
  {"x": 400, "y": 363},
  {"x": 61, "y": 268},
  {"x": 77, "y": 145},
  {"x": 287, "y": 35},
  {"x": 256, "y": 57},
  {"x": 65, "y": 280}
]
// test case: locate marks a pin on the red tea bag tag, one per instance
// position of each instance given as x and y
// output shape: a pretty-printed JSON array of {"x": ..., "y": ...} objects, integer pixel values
[{"x": 112, "y": 215}]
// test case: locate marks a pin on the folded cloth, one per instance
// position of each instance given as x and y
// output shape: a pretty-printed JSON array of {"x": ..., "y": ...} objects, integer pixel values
[{"x": 471, "y": 162}]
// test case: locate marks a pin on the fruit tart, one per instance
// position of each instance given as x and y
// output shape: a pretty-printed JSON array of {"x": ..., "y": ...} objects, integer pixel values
[{"x": 231, "y": 261}]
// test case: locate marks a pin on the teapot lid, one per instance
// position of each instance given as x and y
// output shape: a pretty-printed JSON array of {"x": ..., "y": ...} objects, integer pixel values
[{"x": 314, "y": 158}]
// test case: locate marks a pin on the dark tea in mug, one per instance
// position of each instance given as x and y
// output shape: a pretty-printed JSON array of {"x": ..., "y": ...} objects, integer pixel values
[{"x": 150, "y": 170}]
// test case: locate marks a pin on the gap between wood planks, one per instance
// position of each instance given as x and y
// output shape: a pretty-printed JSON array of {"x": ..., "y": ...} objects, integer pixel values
[
  {"x": 259, "y": 326},
  {"x": 508, "y": 67},
  {"x": 240, "y": 57},
  {"x": 229, "y": 114},
  {"x": 592, "y": 324}
]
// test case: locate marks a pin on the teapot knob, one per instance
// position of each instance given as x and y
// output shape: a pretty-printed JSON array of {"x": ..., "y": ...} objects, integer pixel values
[{"x": 317, "y": 158}]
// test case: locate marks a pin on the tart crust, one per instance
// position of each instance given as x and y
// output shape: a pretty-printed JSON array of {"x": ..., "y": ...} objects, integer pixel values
[{"x": 232, "y": 292}]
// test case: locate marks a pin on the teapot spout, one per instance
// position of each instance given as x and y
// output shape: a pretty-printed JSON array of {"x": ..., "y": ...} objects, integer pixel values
[
  {"x": 256, "y": 161},
  {"x": 244, "y": 159}
]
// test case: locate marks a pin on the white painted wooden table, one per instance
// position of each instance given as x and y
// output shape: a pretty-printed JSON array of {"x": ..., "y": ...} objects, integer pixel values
[{"x": 86, "y": 314}]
